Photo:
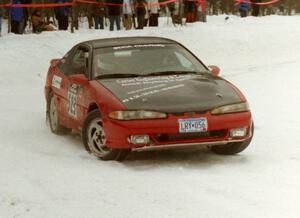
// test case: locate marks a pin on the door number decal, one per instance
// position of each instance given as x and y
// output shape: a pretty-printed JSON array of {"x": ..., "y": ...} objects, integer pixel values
[{"x": 72, "y": 100}]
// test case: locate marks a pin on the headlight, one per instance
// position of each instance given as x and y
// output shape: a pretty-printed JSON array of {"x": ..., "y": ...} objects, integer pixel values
[
  {"x": 136, "y": 115},
  {"x": 233, "y": 108}
]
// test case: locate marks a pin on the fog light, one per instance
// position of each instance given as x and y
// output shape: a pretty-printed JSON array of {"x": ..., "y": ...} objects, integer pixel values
[
  {"x": 139, "y": 139},
  {"x": 238, "y": 132}
]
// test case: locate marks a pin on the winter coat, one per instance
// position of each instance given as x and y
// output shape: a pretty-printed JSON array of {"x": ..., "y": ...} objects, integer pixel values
[
  {"x": 128, "y": 7},
  {"x": 153, "y": 6},
  {"x": 17, "y": 14},
  {"x": 114, "y": 10},
  {"x": 141, "y": 8},
  {"x": 99, "y": 9},
  {"x": 190, "y": 6},
  {"x": 244, "y": 6},
  {"x": 61, "y": 11},
  {"x": 38, "y": 23}
]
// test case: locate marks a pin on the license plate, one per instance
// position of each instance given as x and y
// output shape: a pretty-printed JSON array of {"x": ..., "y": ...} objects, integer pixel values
[{"x": 193, "y": 125}]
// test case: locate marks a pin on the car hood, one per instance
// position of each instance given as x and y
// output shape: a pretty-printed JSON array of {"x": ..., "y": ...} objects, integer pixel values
[{"x": 176, "y": 93}]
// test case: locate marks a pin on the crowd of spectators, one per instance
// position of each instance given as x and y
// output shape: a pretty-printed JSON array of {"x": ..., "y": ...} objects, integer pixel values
[{"x": 115, "y": 14}]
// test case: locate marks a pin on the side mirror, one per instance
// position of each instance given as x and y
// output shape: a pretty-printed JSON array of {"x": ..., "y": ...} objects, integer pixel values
[
  {"x": 214, "y": 70},
  {"x": 79, "y": 79},
  {"x": 53, "y": 62}
]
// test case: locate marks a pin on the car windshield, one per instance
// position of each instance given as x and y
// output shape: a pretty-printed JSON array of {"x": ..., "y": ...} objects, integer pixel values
[{"x": 144, "y": 60}]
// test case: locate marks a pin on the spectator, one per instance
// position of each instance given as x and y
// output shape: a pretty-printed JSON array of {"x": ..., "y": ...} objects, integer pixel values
[
  {"x": 99, "y": 13},
  {"x": 128, "y": 14},
  {"x": 147, "y": 13},
  {"x": 25, "y": 15},
  {"x": 61, "y": 14},
  {"x": 0, "y": 18},
  {"x": 141, "y": 9},
  {"x": 114, "y": 13},
  {"x": 89, "y": 14},
  {"x": 190, "y": 10},
  {"x": 154, "y": 12},
  {"x": 256, "y": 8},
  {"x": 244, "y": 7},
  {"x": 17, "y": 18},
  {"x": 38, "y": 24}
]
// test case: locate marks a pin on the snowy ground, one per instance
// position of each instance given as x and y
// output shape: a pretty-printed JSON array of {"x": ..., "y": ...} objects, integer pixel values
[{"x": 44, "y": 175}]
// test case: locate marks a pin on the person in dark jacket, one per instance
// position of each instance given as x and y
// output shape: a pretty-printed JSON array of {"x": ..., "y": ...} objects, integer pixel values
[
  {"x": 17, "y": 18},
  {"x": 1, "y": 11},
  {"x": 99, "y": 13},
  {"x": 114, "y": 8},
  {"x": 61, "y": 14},
  {"x": 25, "y": 15},
  {"x": 141, "y": 10},
  {"x": 256, "y": 8},
  {"x": 244, "y": 7}
]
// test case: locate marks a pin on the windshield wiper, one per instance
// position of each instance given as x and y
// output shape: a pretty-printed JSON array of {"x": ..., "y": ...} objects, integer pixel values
[
  {"x": 164, "y": 73},
  {"x": 117, "y": 75}
]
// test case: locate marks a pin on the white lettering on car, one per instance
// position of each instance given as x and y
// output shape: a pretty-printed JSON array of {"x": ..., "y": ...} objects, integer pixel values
[
  {"x": 151, "y": 92},
  {"x": 138, "y": 46},
  {"x": 155, "y": 80}
]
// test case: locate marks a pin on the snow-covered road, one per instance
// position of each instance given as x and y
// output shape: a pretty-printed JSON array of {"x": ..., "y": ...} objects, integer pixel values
[{"x": 44, "y": 175}]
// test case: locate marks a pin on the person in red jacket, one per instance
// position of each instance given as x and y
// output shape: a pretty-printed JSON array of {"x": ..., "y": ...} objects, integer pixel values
[{"x": 190, "y": 10}]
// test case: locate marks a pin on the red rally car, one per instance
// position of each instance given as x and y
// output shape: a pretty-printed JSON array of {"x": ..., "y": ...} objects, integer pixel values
[{"x": 144, "y": 93}]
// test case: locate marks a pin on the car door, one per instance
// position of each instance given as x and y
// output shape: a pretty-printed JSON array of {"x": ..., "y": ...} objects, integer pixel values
[
  {"x": 60, "y": 84},
  {"x": 74, "y": 92}
]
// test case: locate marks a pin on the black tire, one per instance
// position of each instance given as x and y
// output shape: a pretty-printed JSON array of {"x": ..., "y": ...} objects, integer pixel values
[
  {"x": 93, "y": 137},
  {"x": 52, "y": 116},
  {"x": 232, "y": 148}
]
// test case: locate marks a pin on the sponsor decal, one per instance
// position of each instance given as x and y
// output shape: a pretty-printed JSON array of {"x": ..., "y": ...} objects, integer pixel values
[
  {"x": 72, "y": 100},
  {"x": 56, "y": 82},
  {"x": 138, "y": 46},
  {"x": 151, "y": 92},
  {"x": 154, "y": 80}
]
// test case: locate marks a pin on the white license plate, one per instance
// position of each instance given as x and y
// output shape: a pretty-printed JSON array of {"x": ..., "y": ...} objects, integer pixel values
[{"x": 193, "y": 125}]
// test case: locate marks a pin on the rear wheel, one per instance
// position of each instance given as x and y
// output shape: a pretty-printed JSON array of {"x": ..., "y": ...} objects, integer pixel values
[
  {"x": 53, "y": 118},
  {"x": 232, "y": 148},
  {"x": 94, "y": 139}
]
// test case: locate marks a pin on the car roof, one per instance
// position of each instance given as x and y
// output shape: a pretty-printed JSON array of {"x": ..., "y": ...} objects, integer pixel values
[{"x": 120, "y": 41}]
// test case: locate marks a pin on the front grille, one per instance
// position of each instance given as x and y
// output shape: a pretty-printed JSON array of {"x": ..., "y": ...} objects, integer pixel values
[{"x": 194, "y": 135}]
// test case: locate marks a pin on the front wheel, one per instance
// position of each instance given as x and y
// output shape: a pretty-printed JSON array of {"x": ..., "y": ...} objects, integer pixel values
[{"x": 94, "y": 139}]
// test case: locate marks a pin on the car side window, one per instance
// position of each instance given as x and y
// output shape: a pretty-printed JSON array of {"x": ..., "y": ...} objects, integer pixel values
[
  {"x": 79, "y": 62},
  {"x": 63, "y": 63}
]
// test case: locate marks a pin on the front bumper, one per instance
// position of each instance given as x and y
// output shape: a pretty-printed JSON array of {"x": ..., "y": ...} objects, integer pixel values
[
  {"x": 185, "y": 145},
  {"x": 164, "y": 133}
]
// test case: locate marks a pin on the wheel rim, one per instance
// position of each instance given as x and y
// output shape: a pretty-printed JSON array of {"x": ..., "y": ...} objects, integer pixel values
[
  {"x": 96, "y": 138},
  {"x": 53, "y": 115}
]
